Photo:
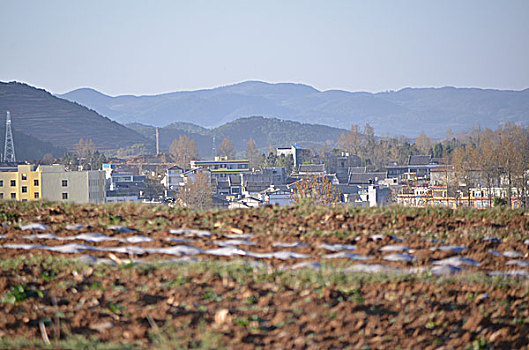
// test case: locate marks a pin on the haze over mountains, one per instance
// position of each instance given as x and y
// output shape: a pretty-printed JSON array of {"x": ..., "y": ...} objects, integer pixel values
[
  {"x": 404, "y": 112},
  {"x": 43, "y": 123}
]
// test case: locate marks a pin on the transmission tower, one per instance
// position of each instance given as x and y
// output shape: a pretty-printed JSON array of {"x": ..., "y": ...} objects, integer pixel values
[
  {"x": 9, "y": 146},
  {"x": 214, "y": 148}
]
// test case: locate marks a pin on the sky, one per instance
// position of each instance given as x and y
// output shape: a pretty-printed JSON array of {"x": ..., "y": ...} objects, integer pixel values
[{"x": 149, "y": 47}]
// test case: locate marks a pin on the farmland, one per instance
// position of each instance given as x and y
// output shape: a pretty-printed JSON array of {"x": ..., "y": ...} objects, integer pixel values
[{"x": 140, "y": 276}]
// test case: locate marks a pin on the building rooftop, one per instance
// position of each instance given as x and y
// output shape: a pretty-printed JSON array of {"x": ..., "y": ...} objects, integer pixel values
[
  {"x": 366, "y": 178},
  {"x": 419, "y": 160},
  {"x": 357, "y": 170}
]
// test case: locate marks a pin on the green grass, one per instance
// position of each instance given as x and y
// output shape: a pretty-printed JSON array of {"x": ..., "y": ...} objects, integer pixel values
[
  {"x": 239, "y": 271},
  {"x": 20, "y": 293}
]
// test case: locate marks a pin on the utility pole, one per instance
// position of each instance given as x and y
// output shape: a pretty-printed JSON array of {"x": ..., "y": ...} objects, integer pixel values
[{"x": 9, "y": 145}]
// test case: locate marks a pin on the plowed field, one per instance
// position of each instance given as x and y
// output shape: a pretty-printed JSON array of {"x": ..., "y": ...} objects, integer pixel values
[{"x": 304, "y": 277}]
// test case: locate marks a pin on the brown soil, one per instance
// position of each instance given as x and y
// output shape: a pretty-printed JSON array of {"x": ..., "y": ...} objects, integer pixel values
[{"x": 140, "y": 304}]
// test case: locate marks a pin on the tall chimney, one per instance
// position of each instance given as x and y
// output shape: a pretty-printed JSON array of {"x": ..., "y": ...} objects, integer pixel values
[{"x": 157, "y": 141}]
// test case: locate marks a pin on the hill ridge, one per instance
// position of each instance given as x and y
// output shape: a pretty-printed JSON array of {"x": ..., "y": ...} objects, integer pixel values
[
  {"x": 406, "y": 111},
  {"x": 48, "y": 118}
]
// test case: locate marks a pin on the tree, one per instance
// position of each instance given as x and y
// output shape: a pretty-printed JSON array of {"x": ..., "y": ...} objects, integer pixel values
[
  {"x": 351, "y": 141},
  {"x": 512, "y": 145},
  {"x": 47, "y": 158},
  {"x": 70, "y": 161},
  {"x": 423, "y": 143},
  {"x": 489, "y": 160},
  {"x": 197, "y": 191},
  {"x": 183, "y": 150},
  {"x": 437, "y": 150},
  {"x": 368, "y": 144},
  {"x": 84, "y": 147},
  {"x": 316, "y": 189},
  {"x": 251, "y": 153},
  {"x": 226, "y": 148},
  {"x": 466, "y": 165}
]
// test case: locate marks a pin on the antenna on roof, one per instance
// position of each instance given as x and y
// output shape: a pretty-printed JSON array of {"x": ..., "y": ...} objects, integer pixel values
[{"x": 9, "y": 146}]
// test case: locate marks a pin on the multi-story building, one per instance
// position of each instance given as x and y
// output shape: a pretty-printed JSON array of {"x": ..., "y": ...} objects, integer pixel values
[
  {"x": 221, "y": 167},
  {"x": 72, "y": 186},
  {"x": 22, "y": 183}
]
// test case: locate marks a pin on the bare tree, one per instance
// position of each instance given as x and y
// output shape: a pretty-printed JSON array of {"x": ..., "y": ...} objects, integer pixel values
[
  {"x": 226, "y": 148},
  {"x": 423, "y": 143},
  {"x": 466, "y": 165},
  {"x": 85, "y": 147},
  {"x": 351, "y": 141},
  {"x": 197, "y": 192},
  {"x": 183, "y": 150},
  {"x": 251, "y": 153}
]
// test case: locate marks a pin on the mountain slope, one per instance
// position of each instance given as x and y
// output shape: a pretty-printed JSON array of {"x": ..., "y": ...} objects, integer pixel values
[
  {"x": 406, "y": 112},
  {"x": 264, "y": 132},
  {"x": 61, "y": 123}
]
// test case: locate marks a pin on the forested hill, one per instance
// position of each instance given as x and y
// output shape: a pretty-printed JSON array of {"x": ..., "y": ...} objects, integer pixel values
[
  {"x": 264, "y": 132},
  {"x": 403, "y": 112},
  {"x": 58, "y": 122}
]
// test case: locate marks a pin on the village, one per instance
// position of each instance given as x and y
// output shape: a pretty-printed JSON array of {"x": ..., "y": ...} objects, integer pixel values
[{"x": 336, "y": 178}]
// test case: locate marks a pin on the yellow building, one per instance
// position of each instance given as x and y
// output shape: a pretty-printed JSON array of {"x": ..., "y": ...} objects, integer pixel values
[
  {"x": 221, "y": 167},
  {"x": 22, "y": 183}
]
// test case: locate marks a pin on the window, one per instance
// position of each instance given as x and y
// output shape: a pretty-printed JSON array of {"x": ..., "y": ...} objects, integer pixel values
[
  {"x": 13, "y": 196},
  {"x": 1, "y": 195},
  {"x": 64, "y": 183},
  {"x": 24, "y": 189},
  {"x": 13, "y": 183},
  {"x": 1, "y": 183},
  {"x": 35, "y": 182},
  {"x": 24, "y": 177},
  {"x": 64, "y": 195},
  {"x": 36, "y": 195}
]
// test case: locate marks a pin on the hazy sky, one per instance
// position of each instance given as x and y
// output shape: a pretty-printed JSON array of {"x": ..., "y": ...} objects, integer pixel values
[{"x": 147, "y": 47}]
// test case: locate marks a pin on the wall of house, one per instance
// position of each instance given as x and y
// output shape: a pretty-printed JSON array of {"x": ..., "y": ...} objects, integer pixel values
[
  {"x": 73, "y": 186},
  {"x": 27, "y": 184}
]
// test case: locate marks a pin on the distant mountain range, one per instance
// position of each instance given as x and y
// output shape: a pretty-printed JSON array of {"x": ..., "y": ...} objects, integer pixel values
[
  {"x": 48, "y": 124},
  {"x": 264, "y": 132},
  {"x": 404, "y": 112}
]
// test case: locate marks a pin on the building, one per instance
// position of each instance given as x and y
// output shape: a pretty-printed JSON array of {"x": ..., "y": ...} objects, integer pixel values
[
  {"x": 419, "y": 164},
  {"x": 72, "y": 186},
  {"x": 298, "y": 153},
  {"x": 276, "y": 195},
  {"x": 21, "y": 183},
  {"x": 311, "y": 169},
  {"x": 222, "y": 167},
  {"x": 340, "y": 164},
  {"x": 173, "y": 177},
  {"x": 123, "y": 185},
  {"x": 366, "y": 178}
]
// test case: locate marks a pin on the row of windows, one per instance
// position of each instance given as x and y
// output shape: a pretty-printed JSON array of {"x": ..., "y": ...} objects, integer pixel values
[
  {"x": 36, "y": 195},
  {"x": 13, "y": 183},
  {"x": 230, "y": 166}
]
